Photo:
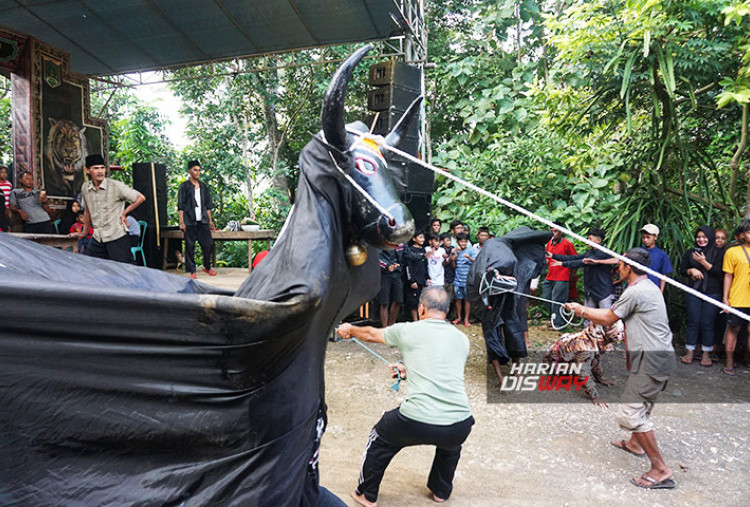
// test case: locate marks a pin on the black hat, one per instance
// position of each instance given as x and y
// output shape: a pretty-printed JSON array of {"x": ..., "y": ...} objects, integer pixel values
[
  {"x": 95, "y": 159},
  {"x": 192, "y": 164}
]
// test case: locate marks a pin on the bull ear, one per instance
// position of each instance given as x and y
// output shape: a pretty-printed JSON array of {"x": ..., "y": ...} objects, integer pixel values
[
  {"x": 398, "y": 132},
  {"x": 333, "y": 102}
]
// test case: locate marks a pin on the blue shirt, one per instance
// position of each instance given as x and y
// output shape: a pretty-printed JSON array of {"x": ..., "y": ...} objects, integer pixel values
[
  {"x": 659, "y": 263},
  {"x": 462, "y": 266}
]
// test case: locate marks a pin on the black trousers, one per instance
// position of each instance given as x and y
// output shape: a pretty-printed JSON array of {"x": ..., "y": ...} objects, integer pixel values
[
  {"x": 394, "y": 432},
  {"x": 45, "y": 227},
  {"x": 116, "y": 250},
  {"x": 201, "y": 233}
]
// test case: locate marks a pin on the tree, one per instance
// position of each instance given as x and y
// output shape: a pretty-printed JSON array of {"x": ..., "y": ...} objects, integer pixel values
[
  {"x": 258, "y": 114},
  {"x": 6, "y": 146}
]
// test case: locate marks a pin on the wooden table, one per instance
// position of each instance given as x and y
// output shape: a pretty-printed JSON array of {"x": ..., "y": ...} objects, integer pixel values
[
  {"x": 54, "y": 240},
  {"x": 249, "y": 236}
]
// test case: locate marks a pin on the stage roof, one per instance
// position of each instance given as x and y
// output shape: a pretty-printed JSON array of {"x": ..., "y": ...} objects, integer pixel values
[{"x": 120, "y": 36}]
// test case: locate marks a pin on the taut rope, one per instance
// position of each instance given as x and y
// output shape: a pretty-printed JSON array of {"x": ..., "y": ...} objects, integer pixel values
[{"x": 567, "y": 231}]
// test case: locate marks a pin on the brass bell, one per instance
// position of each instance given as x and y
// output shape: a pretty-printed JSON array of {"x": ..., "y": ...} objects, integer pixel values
[{"x": 356, "y": 254}]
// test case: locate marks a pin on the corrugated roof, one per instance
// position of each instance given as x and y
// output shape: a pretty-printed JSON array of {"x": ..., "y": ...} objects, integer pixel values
[{"x": 120, "y": 36}]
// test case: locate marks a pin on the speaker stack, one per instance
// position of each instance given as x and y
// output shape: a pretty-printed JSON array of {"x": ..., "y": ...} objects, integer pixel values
[
  {"x": 396, "y": 86},
  {"x": 151, "y": 180}
]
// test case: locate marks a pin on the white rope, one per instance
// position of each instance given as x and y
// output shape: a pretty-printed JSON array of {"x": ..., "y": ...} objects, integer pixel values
[
  {"x": 549, "y": 223},
  {"x": 361, "y": 190}
]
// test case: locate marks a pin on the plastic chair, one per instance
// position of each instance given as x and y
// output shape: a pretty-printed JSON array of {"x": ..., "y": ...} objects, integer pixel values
[
  {"x": 139, "y": 248},
  {"x": 56, "y": 223}
]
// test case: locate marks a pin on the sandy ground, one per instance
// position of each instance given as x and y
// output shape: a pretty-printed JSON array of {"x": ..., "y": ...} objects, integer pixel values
[
  {"x": 552, "y": 454},
  {"x": 538, "y": 453}
]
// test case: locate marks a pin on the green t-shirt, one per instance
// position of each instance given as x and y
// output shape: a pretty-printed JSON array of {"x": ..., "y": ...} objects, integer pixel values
[{"x": 435, "y": 356}]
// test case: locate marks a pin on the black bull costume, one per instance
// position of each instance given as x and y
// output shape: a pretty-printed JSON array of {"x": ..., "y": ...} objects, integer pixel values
[
  {"x": 122, "y": 385},
  {"x": 520, "y": 254}
]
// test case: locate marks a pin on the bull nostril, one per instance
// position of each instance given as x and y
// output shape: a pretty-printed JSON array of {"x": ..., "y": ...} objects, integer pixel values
[{"x": 392, "y": 222}]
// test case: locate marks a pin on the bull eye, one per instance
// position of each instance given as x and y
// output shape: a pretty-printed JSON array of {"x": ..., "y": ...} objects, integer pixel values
[{"x": 366, "y": 165}]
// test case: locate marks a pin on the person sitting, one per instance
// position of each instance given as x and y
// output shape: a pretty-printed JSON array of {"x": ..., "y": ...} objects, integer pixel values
[
  {"x": 134, "y": 231},
  {"x": 69, "y": 216},
  {"x": 31, "y": 206}
]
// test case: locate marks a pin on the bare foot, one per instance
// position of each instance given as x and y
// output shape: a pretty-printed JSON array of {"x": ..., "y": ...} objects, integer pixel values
[
  {"x": 361, "y": 500},
  {"x": 630, "y": 446},
  {"x": 437, "y": 499}
]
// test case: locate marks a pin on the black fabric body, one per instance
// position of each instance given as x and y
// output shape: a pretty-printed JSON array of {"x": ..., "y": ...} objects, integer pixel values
[
  {"x": 121, "y": 385},
  {"x": 519, "y": 253}
]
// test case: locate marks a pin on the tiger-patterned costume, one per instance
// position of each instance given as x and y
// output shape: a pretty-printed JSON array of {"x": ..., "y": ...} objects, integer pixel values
[
  {"x": 585, "y": 348},
  {"x": 65, "y": 153}
]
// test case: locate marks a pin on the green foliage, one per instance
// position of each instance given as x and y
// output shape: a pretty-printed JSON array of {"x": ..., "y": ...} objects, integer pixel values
[{"x": 6, "y": 146}]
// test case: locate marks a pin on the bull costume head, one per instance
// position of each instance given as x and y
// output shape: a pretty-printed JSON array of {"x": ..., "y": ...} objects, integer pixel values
[{"x": 358, "y": 154}]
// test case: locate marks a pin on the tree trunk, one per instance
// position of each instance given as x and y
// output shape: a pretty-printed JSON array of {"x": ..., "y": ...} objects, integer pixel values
[
  {"x": 735, "y": 165},
  {"x": 274, "y": 144}
]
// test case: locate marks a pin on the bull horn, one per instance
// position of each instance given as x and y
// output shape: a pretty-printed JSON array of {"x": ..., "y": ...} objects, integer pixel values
[
  {"x": 333, "y": 102},
  {"x": 395, "y": 135}
]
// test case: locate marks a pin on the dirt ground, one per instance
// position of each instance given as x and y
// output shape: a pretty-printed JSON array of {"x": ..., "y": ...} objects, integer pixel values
[{"x": 540, "y": 453}]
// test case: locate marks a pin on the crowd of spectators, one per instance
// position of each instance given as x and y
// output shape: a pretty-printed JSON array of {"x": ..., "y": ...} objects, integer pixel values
[
  {"x": 434, "y": 257},
  {"x": 431, "y": 258}
]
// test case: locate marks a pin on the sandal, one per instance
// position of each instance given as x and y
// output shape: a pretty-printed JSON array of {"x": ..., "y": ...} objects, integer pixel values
[
  {"x": 688, "y": 357},
  {"x": 457, "y": 321},
  {"x": 727, "y": 371},
  {"x": 706, "y": 361},
  {"x": 466, "y": 324}
]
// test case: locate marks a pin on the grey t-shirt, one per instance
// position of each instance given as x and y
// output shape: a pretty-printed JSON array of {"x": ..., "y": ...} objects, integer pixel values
[
  {"x": 29, "y": 202},
  {"x": 435, "y": 356},
  {"x": 649, "y": 339}
]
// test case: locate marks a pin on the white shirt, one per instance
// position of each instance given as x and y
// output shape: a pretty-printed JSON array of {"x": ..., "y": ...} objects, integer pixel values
[
  {"x": 435, "y": 271},
  {"x": 198, "y": 210}
]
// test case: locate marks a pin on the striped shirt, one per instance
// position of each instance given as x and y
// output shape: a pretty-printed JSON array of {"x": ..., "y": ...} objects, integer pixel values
[
  {"x": 6, "y": 187},
  {"x": 462, "y": 266}
]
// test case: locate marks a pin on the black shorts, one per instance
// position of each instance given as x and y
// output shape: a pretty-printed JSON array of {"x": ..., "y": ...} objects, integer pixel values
[
  {"x": 411, "y": 296},
  {"x": 391, "y": 289},
  {"x": 735, "y": 321}
]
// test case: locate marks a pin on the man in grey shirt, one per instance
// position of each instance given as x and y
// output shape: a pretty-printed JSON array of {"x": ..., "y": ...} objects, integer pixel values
[
  {"x": 104, "y": 200},
  {"x": 31, "y": 206},
  {"x": 650, "y": 359}
]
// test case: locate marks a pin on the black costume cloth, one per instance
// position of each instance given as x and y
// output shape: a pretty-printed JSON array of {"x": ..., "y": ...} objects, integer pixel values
[
  {"x": 520, "y": 253},
  {"x": 122, "y": 385}
]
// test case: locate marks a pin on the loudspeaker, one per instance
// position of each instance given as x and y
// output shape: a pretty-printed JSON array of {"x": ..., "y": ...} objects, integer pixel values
[
  {"x": 151, "y": 180},
  {"x": 398, "y": 85},
  {"x": 420, "y": 205}
]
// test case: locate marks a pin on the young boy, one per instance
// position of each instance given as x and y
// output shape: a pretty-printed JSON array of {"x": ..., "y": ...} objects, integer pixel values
[
  {"x": 483, "y": 235},
  {"x": 449, "y": 272},
  {"x": 435, "y": 255},
  {"x": 77, "y": 227},
  {"x": 462, "y": 262},
  {"x": 415, "y": 273},
  {"x": 737, "y": 290},
  {"x": 659, "y": 258}
]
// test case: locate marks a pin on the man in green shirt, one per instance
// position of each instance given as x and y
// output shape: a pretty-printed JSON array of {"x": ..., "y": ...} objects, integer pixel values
[{"x": 436, "y": 410}]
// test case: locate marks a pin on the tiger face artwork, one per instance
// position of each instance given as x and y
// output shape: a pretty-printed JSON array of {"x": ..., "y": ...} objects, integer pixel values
[{"x": 65, "y": 152}]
